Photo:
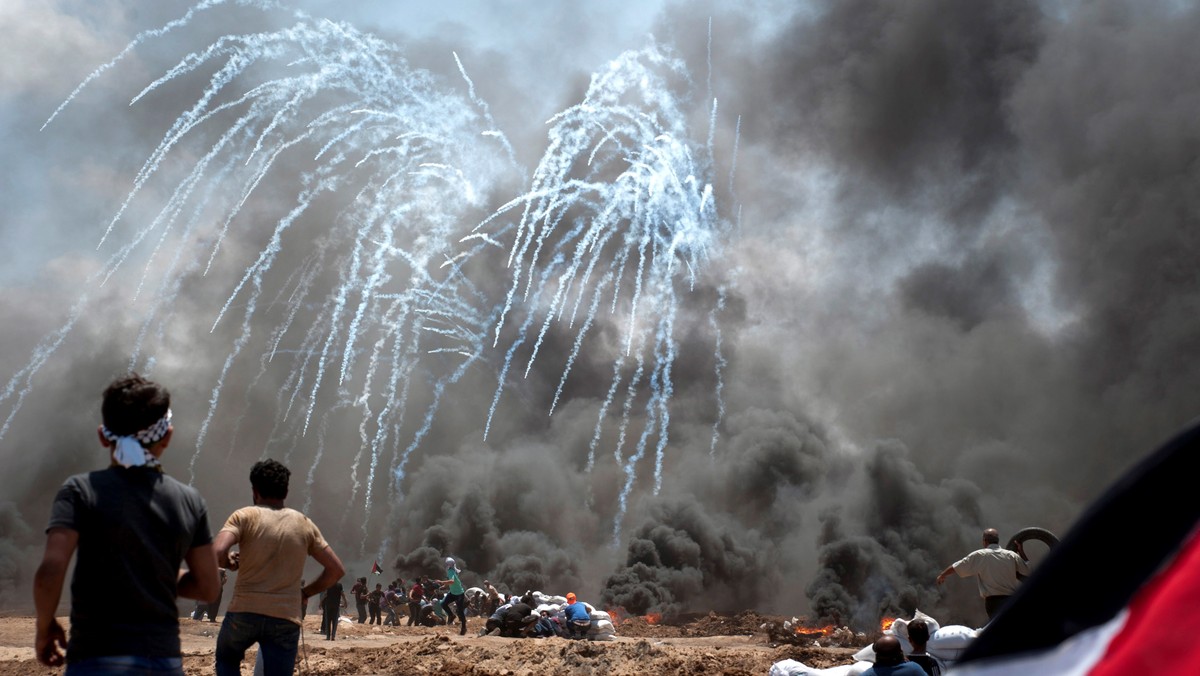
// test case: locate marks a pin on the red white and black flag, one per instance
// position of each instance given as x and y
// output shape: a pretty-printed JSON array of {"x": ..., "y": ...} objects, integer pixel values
[
  {"x": 1121, "y": 593},
  {"x": 375, "y": 568}
]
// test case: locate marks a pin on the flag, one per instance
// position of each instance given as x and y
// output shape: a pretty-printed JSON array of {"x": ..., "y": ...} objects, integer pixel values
[
  {"x": 375, "y": 568},
  {"x": 1121, "y": 593}
]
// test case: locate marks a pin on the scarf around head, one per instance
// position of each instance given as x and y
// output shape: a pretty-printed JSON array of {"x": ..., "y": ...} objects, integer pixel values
[{"x": 131, "y": 450}]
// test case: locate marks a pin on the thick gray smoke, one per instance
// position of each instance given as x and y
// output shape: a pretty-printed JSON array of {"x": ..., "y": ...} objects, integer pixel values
[{"x": 957, "y": 291}]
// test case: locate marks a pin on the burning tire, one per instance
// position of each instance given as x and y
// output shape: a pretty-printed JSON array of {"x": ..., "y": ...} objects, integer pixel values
[{"x": 1032, "y": 533}]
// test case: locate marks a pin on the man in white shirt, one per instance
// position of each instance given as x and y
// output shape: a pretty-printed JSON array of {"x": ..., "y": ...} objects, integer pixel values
[{"x": 998, "y": 571}]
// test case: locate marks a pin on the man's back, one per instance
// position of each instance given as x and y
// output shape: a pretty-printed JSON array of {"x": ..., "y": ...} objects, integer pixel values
[
  {"x": 274, "y": 544},
  {"x": 927, "y": 663},
  {"x": 995, "y": 569},
  {"x": 902, "y": 669},
  {"x": 135, "y": 526}
]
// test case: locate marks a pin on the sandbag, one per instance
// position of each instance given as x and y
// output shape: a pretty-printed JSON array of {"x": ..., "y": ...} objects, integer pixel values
[
  {"x": 794, "y": 668},
  {"x": 600, "y": 615},
  {"x": 899, "y": 629},
  {"x": 602, "y": 627},
  {"x": 949, "y": 643}
]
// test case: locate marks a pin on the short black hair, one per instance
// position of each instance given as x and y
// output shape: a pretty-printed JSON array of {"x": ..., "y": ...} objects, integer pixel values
[
  {"x": 918, "y": 632},
  {"x": 132, "y": 403},
  {"x": 270, "y": 479}
]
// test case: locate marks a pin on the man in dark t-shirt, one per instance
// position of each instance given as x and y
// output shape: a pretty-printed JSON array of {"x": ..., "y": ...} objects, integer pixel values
[
  {"x": 332, "y": 603},
  {"x": 129, "y": 526},
  {"x": 518, "y": 619}
]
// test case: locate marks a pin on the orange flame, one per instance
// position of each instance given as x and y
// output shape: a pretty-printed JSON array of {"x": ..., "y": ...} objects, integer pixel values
[
  {"x": 886, "y": 623},
  {"x": 652, "y": 618},
  {"x": 618, "y": 615},
  {"x": 815, "y": 631}
]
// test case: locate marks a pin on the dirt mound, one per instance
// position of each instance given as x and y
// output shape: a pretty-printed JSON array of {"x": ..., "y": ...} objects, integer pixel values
[{"x": 714, "y": 643}]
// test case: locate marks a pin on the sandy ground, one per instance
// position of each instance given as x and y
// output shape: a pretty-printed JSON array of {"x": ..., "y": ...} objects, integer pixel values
[{"x": 710, "y": 644}]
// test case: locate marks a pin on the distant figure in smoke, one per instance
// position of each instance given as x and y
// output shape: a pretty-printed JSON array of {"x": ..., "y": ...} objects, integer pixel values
[
  {"x": 416, "y": 595},
  {"x": 455, "y": 595},
  {"x": 359, "y": 592},
  {"x": 374, "y": 600},
  {"x": 889, "y": 660},
  {"x": 998, "y": 571},
  {"x": 579, "y": 620},
  {"x": 918, "y": 635},
  {"x": 211, "y": 608},
  {"x": 274, "y": 544},
  {"x": 331, "y": 605},
  {"x": 132, "y": 526},
  {"x": 493, "y": 599},
  {"x": 518, "y": 619},
  {"x": 391, "y": 600},
  {"x": 547, "y": 626}
]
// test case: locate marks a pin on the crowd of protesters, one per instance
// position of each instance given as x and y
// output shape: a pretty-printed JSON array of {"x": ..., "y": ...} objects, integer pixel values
[{"x": 160, "y": 524}]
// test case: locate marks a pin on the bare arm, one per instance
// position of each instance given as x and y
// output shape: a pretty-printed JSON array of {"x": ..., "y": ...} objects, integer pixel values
[
  {"x": 333, "y": 571},
  {"x": 201, "y": 580},
  {"x": 945, "y": 573},
  {"x": 221, "y": 546},
  {"x": 47, "y": 591}
]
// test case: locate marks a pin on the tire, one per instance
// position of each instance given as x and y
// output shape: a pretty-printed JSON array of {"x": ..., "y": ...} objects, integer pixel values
[{"x": 1032, "y": 533}]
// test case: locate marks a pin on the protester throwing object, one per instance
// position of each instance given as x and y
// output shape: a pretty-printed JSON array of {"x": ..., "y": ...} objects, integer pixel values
[{"x": 998, "y": 571}]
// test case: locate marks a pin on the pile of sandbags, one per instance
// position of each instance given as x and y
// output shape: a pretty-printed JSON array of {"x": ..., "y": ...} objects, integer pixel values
[
  {"x": 794, "y": 668},
  {"x": 946, "y": 644},
  {"x": 949, "y": 643},
  {"x": 899, "y": 629},
  {"x": 602, "y": 628}
]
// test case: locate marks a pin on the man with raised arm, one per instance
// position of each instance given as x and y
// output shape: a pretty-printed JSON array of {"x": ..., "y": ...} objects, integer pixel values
[{"x": 998, "y": 571}]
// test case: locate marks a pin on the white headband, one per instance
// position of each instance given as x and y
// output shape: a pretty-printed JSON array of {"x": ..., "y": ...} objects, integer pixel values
[{"x": 131, "y": 448}]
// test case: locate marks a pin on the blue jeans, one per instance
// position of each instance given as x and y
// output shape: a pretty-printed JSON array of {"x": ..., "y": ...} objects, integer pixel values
[
  {"x": 277, "y": 640},
  {"x": 126, "y": 665}
]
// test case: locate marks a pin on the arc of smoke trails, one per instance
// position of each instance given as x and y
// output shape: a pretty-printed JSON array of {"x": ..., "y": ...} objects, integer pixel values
[
  {"x": 721, "y": 363},
  {"x": 384, "y": 97},
  {"x": 656, "y": 212}
]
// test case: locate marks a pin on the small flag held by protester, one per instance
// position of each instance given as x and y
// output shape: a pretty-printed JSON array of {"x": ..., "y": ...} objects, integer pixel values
[{"x": 375, "y": 568}]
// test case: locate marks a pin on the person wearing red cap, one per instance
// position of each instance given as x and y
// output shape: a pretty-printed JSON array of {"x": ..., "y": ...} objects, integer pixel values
[{"x": 579, "y": 620}]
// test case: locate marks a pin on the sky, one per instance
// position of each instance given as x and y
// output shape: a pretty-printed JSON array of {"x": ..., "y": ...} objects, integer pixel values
[{"x": 943, "y": 279}]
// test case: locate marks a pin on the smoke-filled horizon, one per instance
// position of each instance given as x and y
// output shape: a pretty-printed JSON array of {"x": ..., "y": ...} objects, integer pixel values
[{"x": 682, "y": 308}]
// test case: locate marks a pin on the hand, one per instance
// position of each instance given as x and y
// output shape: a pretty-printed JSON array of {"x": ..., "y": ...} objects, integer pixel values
[
  {"x": 234, "y": 558},
  {"x": 941, "y": 578},
  {"x": 48, "y": 642}
]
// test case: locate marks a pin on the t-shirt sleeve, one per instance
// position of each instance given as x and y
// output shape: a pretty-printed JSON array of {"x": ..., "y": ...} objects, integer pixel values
[
  {"x": 965, "y": 566},
  {"x": 234, "y": 525},
  {"x": 67, "y": 509},
  {"x": 1022, "y": 566},
  {"x": 315, "y": 543}
]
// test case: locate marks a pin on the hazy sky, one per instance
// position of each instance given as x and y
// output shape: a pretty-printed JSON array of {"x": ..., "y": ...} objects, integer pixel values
[{"x": 956, "y": 256}]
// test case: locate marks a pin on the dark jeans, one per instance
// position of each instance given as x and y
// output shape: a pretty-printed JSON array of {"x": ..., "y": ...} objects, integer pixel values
[
  {"x": 993, "y": 604},
  {"x": 362, "y": 611},
  {"x": 460, "y": 608},
  {"x": 126, "y": 665},
  {"x": 277, "y": 640},
  {"x": 329, "y": 621},
  {"x": 414, "y": 613},
  {"x": 374, "y": 609},
  {"x": 578, "y": 628}
]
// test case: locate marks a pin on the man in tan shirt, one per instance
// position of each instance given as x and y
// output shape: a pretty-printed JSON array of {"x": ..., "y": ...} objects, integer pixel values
[
  {"x": 274, "y": 544},
  {"x": 998, "y": 571}
]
